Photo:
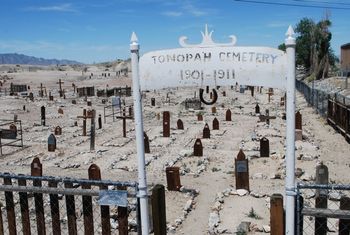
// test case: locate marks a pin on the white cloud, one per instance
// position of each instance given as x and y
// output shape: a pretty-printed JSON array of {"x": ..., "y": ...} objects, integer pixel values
[
  {"x": 192, "y": 10},
  {"x": 277, "y": 24},
  {"x": 66, "y": 7}
]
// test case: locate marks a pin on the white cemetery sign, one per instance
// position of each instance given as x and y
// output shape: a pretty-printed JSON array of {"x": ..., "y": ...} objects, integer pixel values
[{"x": 212, "y": 64}]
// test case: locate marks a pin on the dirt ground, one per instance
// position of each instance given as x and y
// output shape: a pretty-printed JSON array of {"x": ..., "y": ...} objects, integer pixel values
[{"x": 217, "y": 207}]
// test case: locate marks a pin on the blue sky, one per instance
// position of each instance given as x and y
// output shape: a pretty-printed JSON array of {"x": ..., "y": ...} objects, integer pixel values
[{"x": 93, "y": 31}]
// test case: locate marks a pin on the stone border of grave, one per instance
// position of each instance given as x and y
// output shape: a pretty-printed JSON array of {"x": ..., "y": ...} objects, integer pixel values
[{"x": 214, "y": 216}]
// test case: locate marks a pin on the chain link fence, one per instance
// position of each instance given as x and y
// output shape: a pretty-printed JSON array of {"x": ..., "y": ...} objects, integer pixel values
[
  {"x": 52, "y": 205},
  {"x": 323, "y": 209}
]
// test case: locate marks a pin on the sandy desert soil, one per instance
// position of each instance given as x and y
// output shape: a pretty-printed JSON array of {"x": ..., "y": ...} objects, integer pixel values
[{"x": 217, "y": 207}]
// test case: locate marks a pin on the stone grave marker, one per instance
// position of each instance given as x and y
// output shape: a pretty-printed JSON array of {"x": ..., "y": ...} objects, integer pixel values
[
  {"x": 153, "y": 101},
  {"x": 74, "y": 102},
  {"x": 198, "y": 148},
  {"x": 213, "y": 109},
  {"x": 321, "y": 198},
  {"x": 206, "y": 131},
  {"x": 241, "y": 171},
  {"x": 166, "y": 124},
  {"x": 58, "y": 130},
  {"x": 42, "y": 115},
  {"x": 199, "y": 117},
  {"x": 180, "y": 124},
  {"x": 173, "y": 178},
  {"x": 264, "y": 147},
  {"x": 215, "y": 124},
  {"x": 51, "y": 141},
  {"x": 60, "y": 110},
  {"x": 146, "y": 142},
  {"x": 298, "y": 121},
  {"x": 89, "y": 103},
  {"x": 228, "y": 115},
  {"x": 257, "y": 108}
]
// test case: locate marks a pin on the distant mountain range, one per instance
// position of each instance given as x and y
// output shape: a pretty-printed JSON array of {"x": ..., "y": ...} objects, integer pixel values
[{"x": 14, "y": 58}]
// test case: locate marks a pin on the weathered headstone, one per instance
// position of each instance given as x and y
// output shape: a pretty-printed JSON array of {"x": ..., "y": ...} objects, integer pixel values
[
  {"x": 42, "y": 115},
  {"x": 257, "y": 108},
  {"x": 173, "y": 178},
  {"x": 146, "y": 142},
  {"x": 264, "y": 147},
  {"x": 206, "y": 131},
  {"x": 58, "y": 130},
  {"x": 298, "y": 121},
  {"x": 215, "y": 124},
  {"x": 180, "y": 124},
  {"x": 31, "y": 96},
  {"x": 153, "y": 101},
  {"x": 166, "y": 124},
  {"x": 213, "y": 109},
  {"x": 51, "y": 142},
  {"x": 60, "y": 110},
  {"x": 198, "y": 148},
  {"x": 241, "y": 171},
  {"x": 89, "y": 103},
  {"x": 228, "y": 115},
  {"x": 199, "y": 117},
  {"x": 321, "y": 198},
  {"x": 74, "y": 102}
]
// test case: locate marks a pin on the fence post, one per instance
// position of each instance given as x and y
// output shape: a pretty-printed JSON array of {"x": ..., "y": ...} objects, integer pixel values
[
  {"x": 37, "y": 170},
  {"x": 55, "y": 211},
  {"x": 88, "y": 211},
  {"x": 122, "y": 216},
  {"x": 158, "y": 210},
  {"x": 344, "y": 224},
  {"x": 276, "y": 214},
  {"x": 1, "y": 222},
  {"x": 10, "y": 209},
  {"x": 70, "y": 207},
  {"x": 23, "y": 198},
  {"x": 299, "y": 219}
]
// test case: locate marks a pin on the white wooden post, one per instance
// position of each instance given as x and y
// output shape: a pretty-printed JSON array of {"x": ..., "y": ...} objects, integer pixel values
[
  {"x": 290, "y": 152},
  {"x": 142, "y": 193}
]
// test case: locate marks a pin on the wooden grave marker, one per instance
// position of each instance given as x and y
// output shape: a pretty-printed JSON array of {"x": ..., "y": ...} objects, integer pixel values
[
  {"x": 58, "y": 130},
  {"x": 198, "y": 148},
  {"x": 276, "y": 214},
  {"x": 124, "y": 117},
  {"x": 264, "y": 147},
  {"x": 42, "y": 115},
  {"x": 257, "y": 108},
  {"x": 199, "y": 117},
  {"x": 242, "y": 171},
  {"x": 153, "y": 101},
  {"x": 215, "y": 124},
  {"x": 74, "y": 102},
  {"x": 228, "y": 115},
  {"x": 213, "y": 109},
  {"x": 51, "y": 143},
  {"x": 206, "y": 131},
  {"x": 60, "y": 86},
  {"x": 166, "y": 124},
  {"x": 180, "y": 124},
  {"x": 60, "y": 110},
  {"x": 298, "y": 121},
  {"x": 146, "y": 143},
  {"x": 173, "y": 178}
]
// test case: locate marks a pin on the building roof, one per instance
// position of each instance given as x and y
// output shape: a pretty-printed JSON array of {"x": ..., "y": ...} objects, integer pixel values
[{"x": 345, "y": 46}]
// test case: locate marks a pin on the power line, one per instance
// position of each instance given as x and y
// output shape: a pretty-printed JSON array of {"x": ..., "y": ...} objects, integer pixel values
[
  {"x": 293, "y": 5},
  {"x": 325, "y": 2}
]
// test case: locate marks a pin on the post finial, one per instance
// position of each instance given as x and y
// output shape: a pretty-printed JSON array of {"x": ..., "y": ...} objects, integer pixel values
[
  {"x": 290, "y": 32},
  {"x": 133, "y": 38}
]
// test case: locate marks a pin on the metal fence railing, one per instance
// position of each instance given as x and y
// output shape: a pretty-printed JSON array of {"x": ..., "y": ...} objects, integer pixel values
[
  {"x": 333, "y": 106},
  {"x": 323, "y": 209},
  {"x": 53, "y": 205}
]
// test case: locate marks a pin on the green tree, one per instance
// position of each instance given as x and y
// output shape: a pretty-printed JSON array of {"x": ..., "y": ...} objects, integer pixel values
[{"x": 313, "y": 49}]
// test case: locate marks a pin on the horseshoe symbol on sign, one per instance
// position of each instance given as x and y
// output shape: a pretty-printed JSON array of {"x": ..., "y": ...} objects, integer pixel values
[{"x": 215, "y": 97}]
